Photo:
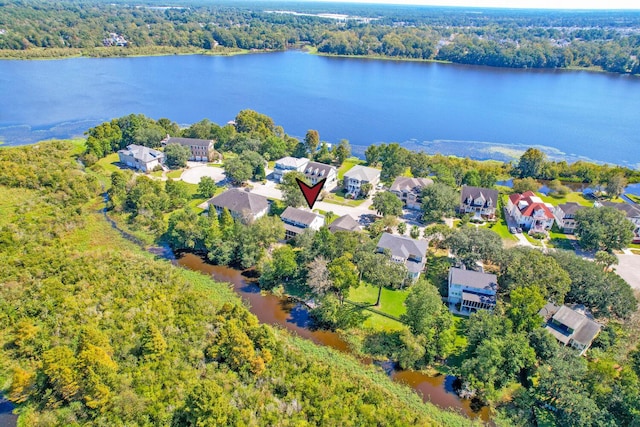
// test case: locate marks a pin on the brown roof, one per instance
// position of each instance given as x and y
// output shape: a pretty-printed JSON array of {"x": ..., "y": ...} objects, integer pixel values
[
  {"x": 630, "y": 210},
  {"x": 189, "y": 141},
  {"x": 403, "y": 183},
  {"x": 479, "y": 192},
  {"x": 315, "y": 169},
  {"x": 240, "y": 201},
  {"x": 570, "y": 208},
  {"x": 344, "y": 223}
]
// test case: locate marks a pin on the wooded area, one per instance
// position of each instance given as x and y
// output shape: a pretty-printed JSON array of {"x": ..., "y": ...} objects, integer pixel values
[{"x": 603, "y": 40}]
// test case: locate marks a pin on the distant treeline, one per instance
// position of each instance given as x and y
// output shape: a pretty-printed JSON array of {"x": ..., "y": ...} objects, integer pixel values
[{"x": 517, "y": 39}]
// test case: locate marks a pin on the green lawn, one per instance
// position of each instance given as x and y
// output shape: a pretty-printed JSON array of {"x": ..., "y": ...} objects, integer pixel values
[
  {"x": 534, "y": 242},
  {"x": 328, "y": 220},
  {"x": 634, "y": 198},
  {"x": 391, "y": 302},
  {"x": 348, "y": 164},
  {"x": 338, "y": 199},
  {"x": 108, "y": 163},
  {"x": 175, "y": 174},
  {"x": 576, "y": 197},
  {"x": 559, "y": 240}
]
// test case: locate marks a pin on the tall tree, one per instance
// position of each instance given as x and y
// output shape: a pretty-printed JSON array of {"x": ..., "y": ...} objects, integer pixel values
[
  {"x": 387, "y": 203},
  {"x": 311, "y": 141},
  {"x": 531, "y": 163},
  {"x": 615, "y": 185},
  {"x": 238, "y": 171},
  {"x": 471, "y": 244},
  {"x": 176, "y": 155},
  {"x": 343, "y": 151},
  {"x": 207, "y": 187},
  {"x": 438, "y": 200},
  {"x": 344, "y": 275},
  {"x": 291, "y": 193},
  {"x": 604, "y": 228}
]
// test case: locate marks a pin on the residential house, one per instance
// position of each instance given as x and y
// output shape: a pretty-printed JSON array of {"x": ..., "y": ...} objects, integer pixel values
[
  {"x": 316, "y": 172},
  {"x": 412, "y": 253},
  {"x": 631, "y": 211},
  {"x": 409, "y": 190},
  {"x": 344, "y": 223},
  {"x": 571, "y": 326},
  {"x": 482, "y": 202},
  {"x": 142, "y": 158},
  {"x": 358, "y": 175},
  {"x": 565, "y": 214},
  {"x": 530, "y": 212},
  {"x": 243, "y": 205},
  {"x": 297, "y": 220},
  {"x": 288, "y": 164},
  {"x": 473, "y": 290},
  {"x": 201, "y": 149}
]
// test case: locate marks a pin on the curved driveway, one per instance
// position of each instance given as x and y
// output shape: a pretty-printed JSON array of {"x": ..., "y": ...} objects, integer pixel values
[{"x": 193, "y": 174}]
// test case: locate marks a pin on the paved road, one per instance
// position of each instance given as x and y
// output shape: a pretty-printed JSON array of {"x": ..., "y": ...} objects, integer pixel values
[
  {"x": 198, "y": 170},
  {"x": 629, "y": 269}
]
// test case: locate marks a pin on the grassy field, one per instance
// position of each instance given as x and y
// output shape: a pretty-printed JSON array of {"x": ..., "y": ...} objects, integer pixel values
[
  {"x": 559, "y": 240},
  {"x": 108, "y": 163},
  {"x": 391, "y": 302},
  {"x": 571, "y": 197},
  {"x": 634, "y": 198},
  {"x": 338, "y": 199},
  {"x": 348, "y": 164},
  {"x": 175, "y": 174}
]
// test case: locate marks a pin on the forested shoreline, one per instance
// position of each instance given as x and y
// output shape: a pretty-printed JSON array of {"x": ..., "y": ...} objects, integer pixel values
[{"x": 608, "y": 41}]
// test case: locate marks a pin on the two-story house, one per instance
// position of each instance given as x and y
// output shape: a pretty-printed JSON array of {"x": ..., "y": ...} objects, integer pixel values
[
  {"x": 409, "y": 190},
  {"x": 479, "y": 201},
  {"x": 412, "y": 253},
  {"x": 565, "y": 214},
  {"x": 201, "y": 149},
  {"x": 473, "y": 290},
  {"x": 316, "y": 172},
  {"x": 358, "y": 175},
  {"x": 571, "y": 326},
  {"x": 297, "y": 220},
  {"x": 631, "y": 211},
  {"x": 530, "y": 212},
  {"x": 142, "y": 158},
  {"x": 344, "y": 223},
  {"x": 288, "y": 164},
  {"x": 243, "y": 205}
]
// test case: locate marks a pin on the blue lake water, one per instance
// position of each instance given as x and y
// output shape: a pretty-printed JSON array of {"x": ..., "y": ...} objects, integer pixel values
[{"x": 481, "y": 112}]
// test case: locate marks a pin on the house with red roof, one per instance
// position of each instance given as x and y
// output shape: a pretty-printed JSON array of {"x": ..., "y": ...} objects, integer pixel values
[{"x": 530, "y": 212}]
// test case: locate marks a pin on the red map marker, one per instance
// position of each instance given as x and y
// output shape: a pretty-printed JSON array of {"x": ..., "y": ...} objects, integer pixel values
[{"x": 311, "y": 193}]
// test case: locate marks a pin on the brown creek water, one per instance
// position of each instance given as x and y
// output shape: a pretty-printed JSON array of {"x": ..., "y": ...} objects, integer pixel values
[{"x": 294, "y": 317}]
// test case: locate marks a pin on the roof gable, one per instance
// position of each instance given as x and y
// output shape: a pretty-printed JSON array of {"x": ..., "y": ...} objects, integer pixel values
[
  {"x": 362, "y": 173},
  {"x": 403, "y": 183},
  {"x": 298, "y": 215},
  {"x": 238, "y": 200},
  {"x": 401, "y": 246},
  {"x": 344, "y": 223}
]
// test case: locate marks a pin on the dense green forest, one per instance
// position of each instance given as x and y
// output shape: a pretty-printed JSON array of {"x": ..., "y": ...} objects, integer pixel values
[
  {"x": 96, "y": 331},
  {"x": 504, "y": 38}
]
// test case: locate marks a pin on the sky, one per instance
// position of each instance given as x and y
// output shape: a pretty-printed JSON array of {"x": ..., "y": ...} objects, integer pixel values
[{"x": 533, "y": 4}]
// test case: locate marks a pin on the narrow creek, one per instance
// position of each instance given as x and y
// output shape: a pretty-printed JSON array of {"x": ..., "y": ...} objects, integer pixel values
[{"x": 293, "y": 316}]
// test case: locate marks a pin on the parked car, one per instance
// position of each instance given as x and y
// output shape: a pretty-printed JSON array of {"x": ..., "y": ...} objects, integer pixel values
[
  {"x": 519, "y": 230},
  {"x": 512, "y": 230}
]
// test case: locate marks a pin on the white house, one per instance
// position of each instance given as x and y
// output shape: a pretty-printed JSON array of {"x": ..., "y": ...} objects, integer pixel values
[
  {"x": 574, "y": 327},
  {"x": 565, "y": 214},
  {"x": 288, "y": 164},
  {"x": 404, "y": 250},
  {"x": 473, "y": 290},
  {"x": 358, "y": 175},
  {"x": 297, "y": 220},
  {"x": 530, "y": 212},
  {"x": 140, "y": 157},
  {"x": 316, "y": 172}
]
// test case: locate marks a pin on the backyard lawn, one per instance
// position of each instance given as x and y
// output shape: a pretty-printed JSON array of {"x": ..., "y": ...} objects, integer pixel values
[
  {"x": 574, "y": 196},
  {"x": 348, "y": 164},
  {"x": 391, "y": 302},
  {"x": 338, "y": 199}
]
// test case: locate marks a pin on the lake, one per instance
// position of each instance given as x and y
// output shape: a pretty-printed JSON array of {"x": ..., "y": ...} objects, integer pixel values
[{"x": 480, "y": 112}]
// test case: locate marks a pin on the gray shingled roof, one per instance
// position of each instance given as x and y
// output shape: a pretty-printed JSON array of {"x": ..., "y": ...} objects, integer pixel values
[
  {"x": 344, "y": 223},
  {"x": 570, "y": 208},
  {"x": 189, "y": 141},
  {"x": 298, "y": 215},
  {"x": 292, "y": 162},
  {"x": 569, "y": 317},
  {"x": 316, "y": 169},
  {"x": 474, "y": 279},
  {"x": 142, "y": 153},
  {"x": 403, "y": 183},
  {"x": 486, "y": 299},
  {"x": 630, "y": 210},
  {"x": 362, "y": 173},
  {"x": 238, "y": 200},
  {"x": 476, "y": 192}
]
